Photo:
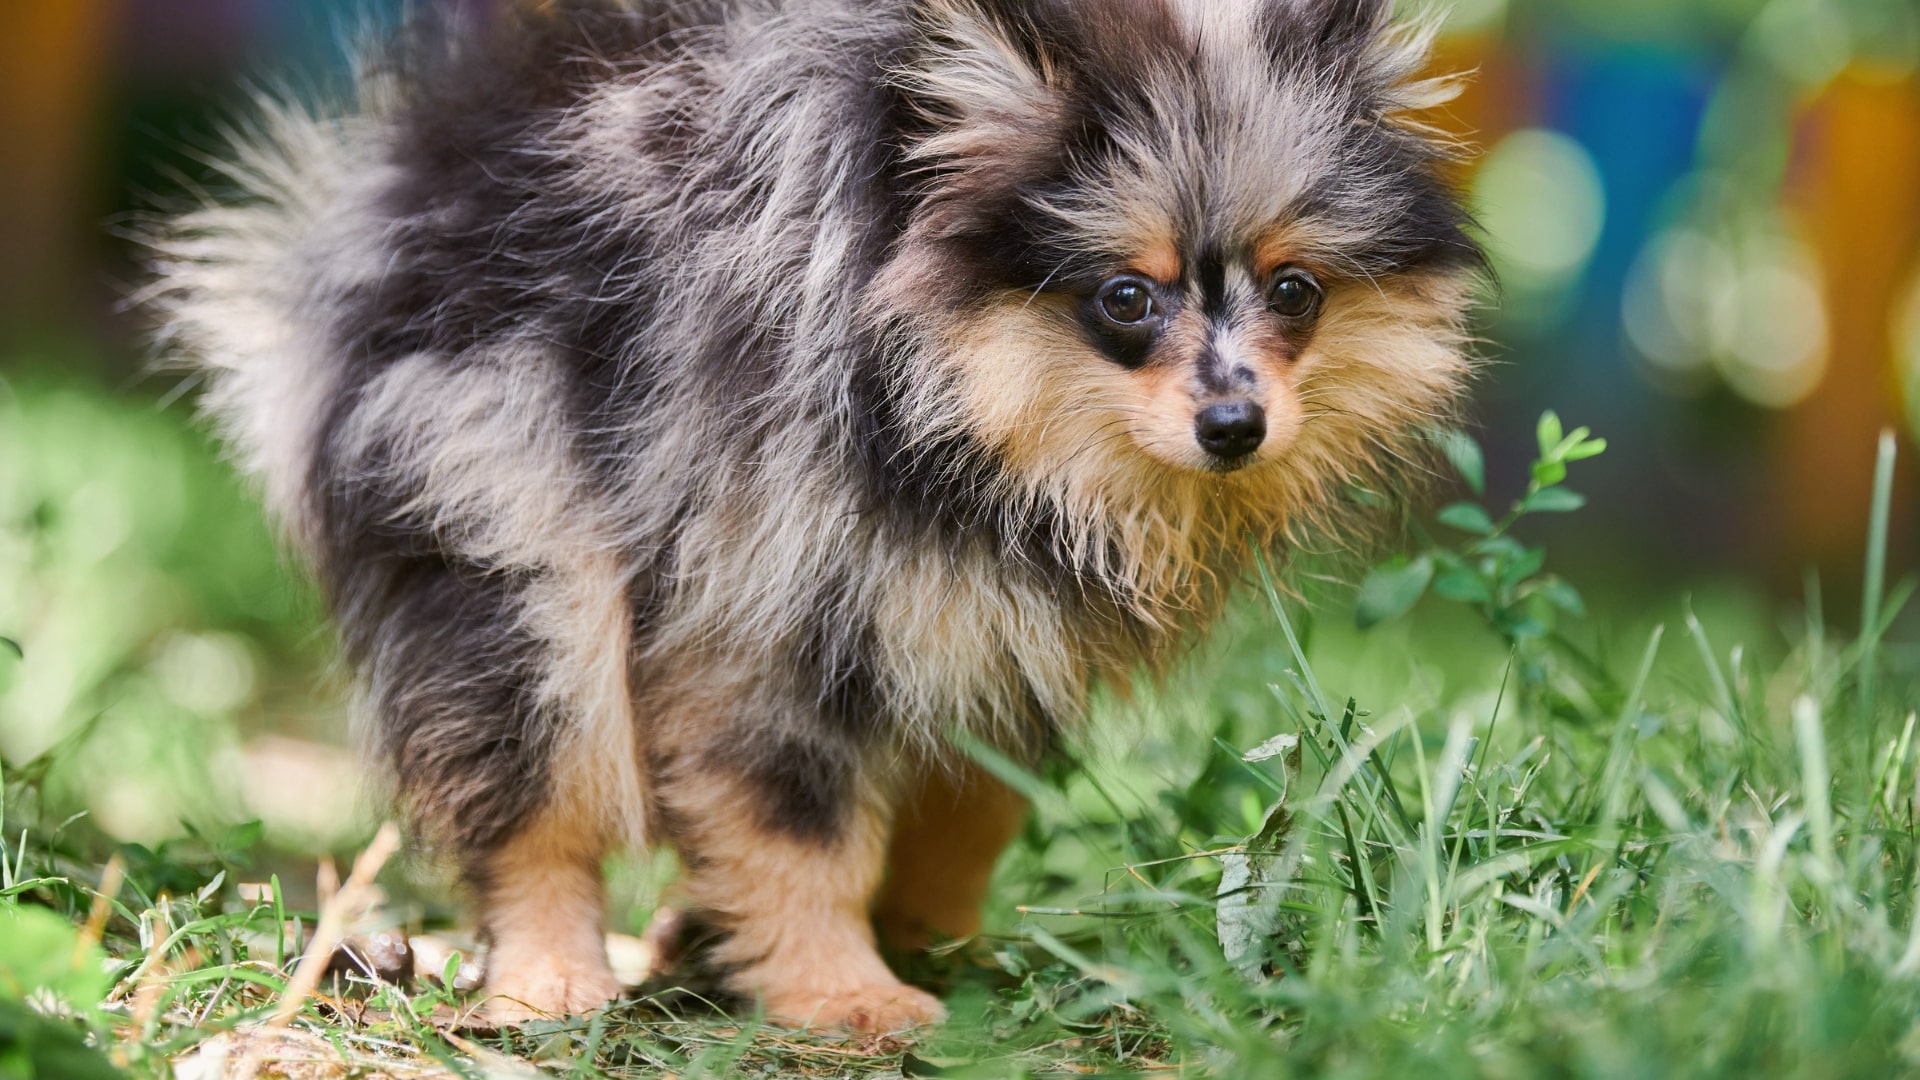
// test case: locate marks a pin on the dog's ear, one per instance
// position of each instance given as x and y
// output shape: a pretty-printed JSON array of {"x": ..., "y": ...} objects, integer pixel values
[
  {"x": 989, "y": 73},
  {"x": 985, "y": 72},
  {"x": 1302, "y": 31},
  {"x": 1359, "y": 46}
]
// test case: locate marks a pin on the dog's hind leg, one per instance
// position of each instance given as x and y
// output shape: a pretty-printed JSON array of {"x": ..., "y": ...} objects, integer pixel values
[
  {"x": 541, "y": 892},
  {"x": 784, "y": 846},
  {"x": 471, "y": 569},
  {"x": 947, "y": 836},
  {"x": 543, "y": 904},
  {"x": 490, "y": 763}
]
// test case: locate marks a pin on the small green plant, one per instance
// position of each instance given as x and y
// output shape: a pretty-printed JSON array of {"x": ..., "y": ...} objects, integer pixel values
[{"x": 1490, "y": 571}]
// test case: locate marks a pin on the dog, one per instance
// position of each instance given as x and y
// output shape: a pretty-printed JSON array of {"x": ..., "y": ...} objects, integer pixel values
[{"x": 698, "y": 412}]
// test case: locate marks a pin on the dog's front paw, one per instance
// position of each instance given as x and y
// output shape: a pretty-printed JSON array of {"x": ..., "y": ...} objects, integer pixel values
[
  {"x": 864, "y": 1010},
  {"x": 529, "y": 989}
]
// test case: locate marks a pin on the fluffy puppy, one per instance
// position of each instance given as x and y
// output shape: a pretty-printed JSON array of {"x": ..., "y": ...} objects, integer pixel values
[{"x": 697, "y": 410}]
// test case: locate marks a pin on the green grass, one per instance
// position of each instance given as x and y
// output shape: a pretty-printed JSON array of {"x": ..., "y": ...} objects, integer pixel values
[{"x": 1491, "y": 835}]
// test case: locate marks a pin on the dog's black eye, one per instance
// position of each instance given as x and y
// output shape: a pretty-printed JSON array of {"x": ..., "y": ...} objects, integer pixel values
[
  {"x": 1294, "y": 294},
  {"x": 1126, "y": 301}
]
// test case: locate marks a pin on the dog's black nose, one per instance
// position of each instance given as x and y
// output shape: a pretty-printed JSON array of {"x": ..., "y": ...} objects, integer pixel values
[{"x": 1231, "y": 430}]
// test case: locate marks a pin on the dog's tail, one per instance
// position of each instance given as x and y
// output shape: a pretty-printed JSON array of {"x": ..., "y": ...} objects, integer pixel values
[
  {"x": 479, "y": 591},
  {"x": 242, "y": 277}
]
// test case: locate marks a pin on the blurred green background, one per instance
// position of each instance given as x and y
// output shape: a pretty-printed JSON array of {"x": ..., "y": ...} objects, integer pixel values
[{"x": 1706, "y": 216}]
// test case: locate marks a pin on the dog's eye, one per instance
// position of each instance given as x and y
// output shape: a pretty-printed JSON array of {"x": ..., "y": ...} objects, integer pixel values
[
  {"x": 1126, "y": 301},
  {"x": 1294, "y": 294}
]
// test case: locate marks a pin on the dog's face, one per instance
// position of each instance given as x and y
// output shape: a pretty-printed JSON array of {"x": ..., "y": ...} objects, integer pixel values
[{"x": 1177, "y": 240}]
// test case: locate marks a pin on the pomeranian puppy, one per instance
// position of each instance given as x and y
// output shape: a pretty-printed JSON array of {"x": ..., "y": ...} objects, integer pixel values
[{"x": 697, "y": 410}]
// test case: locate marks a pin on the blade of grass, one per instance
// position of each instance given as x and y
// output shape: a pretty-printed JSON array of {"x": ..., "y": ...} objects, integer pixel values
[
  {"x": 1875, "y": 585},
  {"x": 1722, "y": 690},
  {"x": 1613, "y": 779},
  {"x": 1008, "y": 771},
  {"x": 1810, "y": 734},
  {"x": 1429, "y": 848},
  {"x": 1886, "y": 784},
  {"x": 1293, "y": 640},
  {"x": 1362, "y": 870},
  {"x": 1816, "y": 632}
]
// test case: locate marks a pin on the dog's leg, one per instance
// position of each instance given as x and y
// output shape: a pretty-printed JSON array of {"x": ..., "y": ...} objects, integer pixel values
[
  {"x": 542, "y": 900},
  {"x": 947, "y": 835},
  {"x": 541, "y": 891},
  {"x": 473, "y": 564},
  {"x": 791, "y": 891}
]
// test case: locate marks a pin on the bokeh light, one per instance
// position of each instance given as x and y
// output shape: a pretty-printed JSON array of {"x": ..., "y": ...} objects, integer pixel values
[
  {"x": 1542, "y": 202},
  {"x": 1745, "y": 304},
  {"x": 1808, "y": 41}
]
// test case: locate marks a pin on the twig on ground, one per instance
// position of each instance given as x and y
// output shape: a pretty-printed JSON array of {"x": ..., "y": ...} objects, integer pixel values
[{"x": 349, "y": 902}]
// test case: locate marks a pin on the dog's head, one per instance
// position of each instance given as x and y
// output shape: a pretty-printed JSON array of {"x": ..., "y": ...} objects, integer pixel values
[{"x": 1168, "y": 247}]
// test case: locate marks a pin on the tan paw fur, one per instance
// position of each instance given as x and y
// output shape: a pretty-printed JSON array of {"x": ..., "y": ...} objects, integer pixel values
[
  {"x": 866, "y": 1010},
  {"x": 533, "y": 991}
]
